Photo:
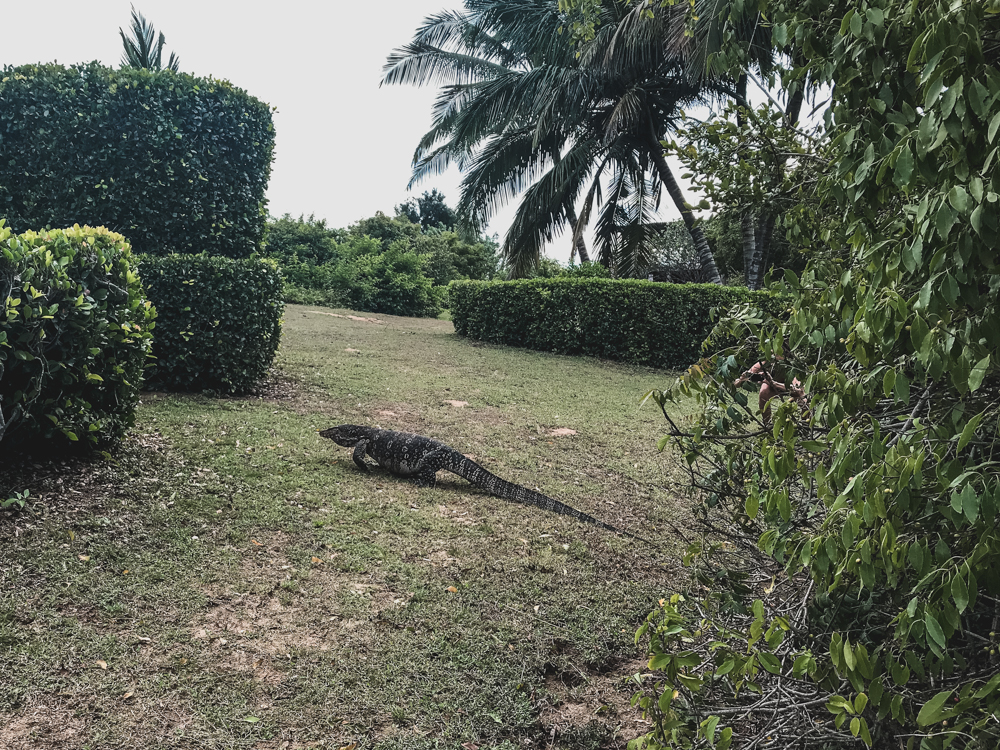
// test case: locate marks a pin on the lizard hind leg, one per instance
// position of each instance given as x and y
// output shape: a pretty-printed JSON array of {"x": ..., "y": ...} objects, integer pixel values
[
  {"x": 426, "y": 477},
  {"x": 426, "y": 474}
]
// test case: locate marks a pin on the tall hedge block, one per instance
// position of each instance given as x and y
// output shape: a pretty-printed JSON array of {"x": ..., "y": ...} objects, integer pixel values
[
  {"x": 74, "y": 335},
  {"x": 219, "y": 321},
  {"x": 173, "y": 162},
  {"x": 661, "y": 325}
]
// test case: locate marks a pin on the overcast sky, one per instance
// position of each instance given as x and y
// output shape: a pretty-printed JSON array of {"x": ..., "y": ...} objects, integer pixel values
[{"x": 344, "y": 145}]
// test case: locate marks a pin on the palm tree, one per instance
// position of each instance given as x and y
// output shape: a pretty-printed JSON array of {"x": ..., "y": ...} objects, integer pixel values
[
  {"x": 522, "y": 114},
  {"x": 140, "y": 49}
]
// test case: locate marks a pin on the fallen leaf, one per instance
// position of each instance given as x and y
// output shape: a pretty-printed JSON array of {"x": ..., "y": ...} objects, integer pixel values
[
  {"x": 316, "y": 560},
  {"x": 470, "y": 746},
  {"x": 452, "y": 590},
  {"x": 84, "y": 557},
  {"x": 101, "y": 663},
  {"x": 127, "y": 695},
  {"x": 251, "y": 719},
  {"x": 125, "y": 572},
  {"x": 254, "y": 541},
  {"x": 352, "y": 746}
]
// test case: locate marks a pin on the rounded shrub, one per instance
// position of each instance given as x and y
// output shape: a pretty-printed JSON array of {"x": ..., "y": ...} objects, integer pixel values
[
  {"x": 74, "y": 335},
  {"x": 219, "y": 321},
  {"x": 173, "y": 162}
]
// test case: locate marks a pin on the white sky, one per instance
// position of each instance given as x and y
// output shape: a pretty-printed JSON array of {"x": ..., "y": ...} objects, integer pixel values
[{"x": 343, "y": 144}]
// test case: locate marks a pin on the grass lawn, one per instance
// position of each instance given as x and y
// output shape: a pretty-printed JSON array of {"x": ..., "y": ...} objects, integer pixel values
[{"x": 231, "y": 580}]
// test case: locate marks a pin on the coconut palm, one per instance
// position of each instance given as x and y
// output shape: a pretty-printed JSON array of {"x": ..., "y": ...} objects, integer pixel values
[
  {"x": 522, "y": 114},
  {"x": 141, "y": 51}
]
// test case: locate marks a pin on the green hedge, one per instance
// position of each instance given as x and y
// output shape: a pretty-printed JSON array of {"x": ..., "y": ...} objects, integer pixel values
[
  {"x": 173, "y": 162},
  {"x": 662, "y": 325},
  {"x": 218, "y": 324},
  {"x": 74, "y": 335}
]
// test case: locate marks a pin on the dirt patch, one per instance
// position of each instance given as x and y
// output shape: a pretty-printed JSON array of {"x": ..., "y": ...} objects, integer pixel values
[
  {"x": 345, "y": 317},
  {"x": 578, "y": 700},
  {"x": 46, "y": 723},
  {"x": 560, "y": 432},
  {"x": 456, "y": 404}
]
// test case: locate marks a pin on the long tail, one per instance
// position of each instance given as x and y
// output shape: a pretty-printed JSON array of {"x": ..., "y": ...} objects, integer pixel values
[{"x": 501, "y": 488}]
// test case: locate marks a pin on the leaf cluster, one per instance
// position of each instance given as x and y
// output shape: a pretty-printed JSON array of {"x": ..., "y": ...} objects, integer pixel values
[
  {"x": 845, "y": 587},
  {"x": 74, "y": 336}
]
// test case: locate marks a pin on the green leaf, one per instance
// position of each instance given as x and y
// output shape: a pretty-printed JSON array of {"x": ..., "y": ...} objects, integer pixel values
[
  {"x": 970, "y": 429},
  {"x": 978, "y": 372},
  {"x": 970, "y": 503},
  {"x": 709, "y": 726},
  {"x": 934, "y": 630},
  {"x": 933, "y": 710},
  {"x": 770, "y": 662},
  {"x": 959, "y": 199},
  {"x": 960, "y": 592},
  {"x": 904, "y": 167},
  {"x": 994, "y": 125},
  {"x": 988, "y": 688},
  {"x": 784, "y": 507},
  {"x": 849, "y": 658},
  {"x": 856, "y": 24}
]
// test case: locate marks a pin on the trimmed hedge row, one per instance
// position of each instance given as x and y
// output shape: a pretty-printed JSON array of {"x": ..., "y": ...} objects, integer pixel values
[
  {"x": 219, "y": 321},
  {"x": 173, "y": 162},
  {"x": 661, "y": 325},
  {"x": 74, "y": 335}
]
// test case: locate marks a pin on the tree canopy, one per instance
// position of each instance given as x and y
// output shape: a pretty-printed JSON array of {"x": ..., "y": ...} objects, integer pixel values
[{"x": 522, "y": 114}]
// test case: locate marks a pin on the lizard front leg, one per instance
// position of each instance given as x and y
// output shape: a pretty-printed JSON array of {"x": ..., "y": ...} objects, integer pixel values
[{"x": 359, "y": 455}]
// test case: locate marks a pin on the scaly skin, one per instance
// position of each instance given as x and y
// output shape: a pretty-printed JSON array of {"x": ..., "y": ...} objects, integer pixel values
[{"x": 416, "y": 456}]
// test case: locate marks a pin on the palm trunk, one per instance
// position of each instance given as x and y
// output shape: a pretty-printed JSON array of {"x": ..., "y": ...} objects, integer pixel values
[
  {"x": 580, "y": 246},
  {"x": 748, "y": 234},
  {"x": 705, "y": 256},
  {"x": 758, "y": 260}
]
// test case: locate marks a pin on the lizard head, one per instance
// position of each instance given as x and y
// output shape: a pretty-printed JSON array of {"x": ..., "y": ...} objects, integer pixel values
[{"x": 346, "y": 435}]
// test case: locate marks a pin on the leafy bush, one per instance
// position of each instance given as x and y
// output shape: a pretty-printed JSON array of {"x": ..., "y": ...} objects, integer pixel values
[
  {"x": 847, "y": 587},
  {"x": 392, "y": 282},
  {"x": 219, "y": 321},
  {"x": 662, "y": 325},
  {"x": 306, "y": 240},
  {"x": 175, "y": 163},
  {"x": 74, "y": 335},
  {"x": 381, "y": 264}
]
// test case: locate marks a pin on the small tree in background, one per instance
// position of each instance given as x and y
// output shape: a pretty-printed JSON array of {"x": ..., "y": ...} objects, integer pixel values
[
  {"x": 429, "y": 211},
  {"x": 141, "y": 51}
]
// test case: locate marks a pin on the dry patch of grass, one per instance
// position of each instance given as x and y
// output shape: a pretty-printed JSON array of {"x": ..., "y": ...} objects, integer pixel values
[{"x": 231, "y": 580}]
